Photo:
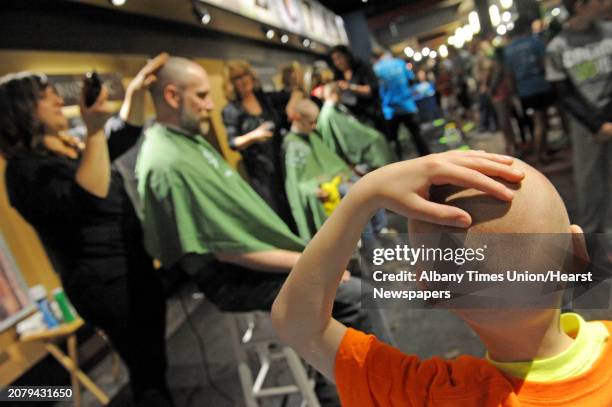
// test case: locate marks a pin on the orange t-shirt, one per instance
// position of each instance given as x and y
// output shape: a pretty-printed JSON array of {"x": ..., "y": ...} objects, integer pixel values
[{"x": 372, "y": 373}]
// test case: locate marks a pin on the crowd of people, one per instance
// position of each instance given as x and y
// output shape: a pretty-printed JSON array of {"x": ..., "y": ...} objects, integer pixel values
[{"x": 323, "y": 163}]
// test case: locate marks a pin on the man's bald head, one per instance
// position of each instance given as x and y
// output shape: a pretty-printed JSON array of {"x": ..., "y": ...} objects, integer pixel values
[
  {"x": 177, "y": 71},
  {"x": 182, "y": 96}
]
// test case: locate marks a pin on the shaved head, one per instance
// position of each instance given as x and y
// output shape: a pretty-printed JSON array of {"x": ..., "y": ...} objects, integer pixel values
[
  {"x": 177, "y": 71},
  {"x": 532, "y": 232},
  {"x": 536, "y": 207},
  {"x": 181, "y": 95},
  {"x": 307, "y": 108},
  {"x": 304, "y": 116}
]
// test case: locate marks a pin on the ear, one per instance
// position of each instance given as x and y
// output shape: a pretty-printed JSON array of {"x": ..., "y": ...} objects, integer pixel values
[
  {"x": 172, "y": 96},
  {"x": 581, "y": 255}
]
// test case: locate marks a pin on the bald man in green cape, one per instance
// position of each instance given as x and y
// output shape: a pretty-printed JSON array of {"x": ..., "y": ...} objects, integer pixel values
[{"x": 352, "y": 140}]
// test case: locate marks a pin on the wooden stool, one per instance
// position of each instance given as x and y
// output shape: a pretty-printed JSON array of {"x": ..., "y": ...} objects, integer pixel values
[{"x": 71, "y": 361}]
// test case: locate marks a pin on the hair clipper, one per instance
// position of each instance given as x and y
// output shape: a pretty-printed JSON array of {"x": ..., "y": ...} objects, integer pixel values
[{"x": 92, "y": 86}]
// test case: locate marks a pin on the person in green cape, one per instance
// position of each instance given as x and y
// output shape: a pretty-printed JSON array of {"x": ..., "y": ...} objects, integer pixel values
[
  {"x": 357, "y": 143},
  {"x": 312, "y": 171},
  {"x": 201, "y": 218}
]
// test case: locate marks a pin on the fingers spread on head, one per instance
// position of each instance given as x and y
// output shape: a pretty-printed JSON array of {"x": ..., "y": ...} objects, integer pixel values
[
  {"x": 491, "y": 168},
  {"x": 469, "y": 178},
  {"x": 440, "y": 214}
]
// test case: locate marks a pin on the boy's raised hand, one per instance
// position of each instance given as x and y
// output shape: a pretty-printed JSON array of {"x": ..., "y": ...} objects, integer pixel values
[
  {"x": 403, "y": 187},
  {"x": 303, "y": 317}
]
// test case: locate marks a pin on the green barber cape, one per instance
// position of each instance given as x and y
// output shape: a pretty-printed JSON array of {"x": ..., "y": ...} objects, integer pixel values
[
  {"x": 308, "y": 164},
  {"x": 194, "y": 202},
  {"x": 351, "y": 139}
]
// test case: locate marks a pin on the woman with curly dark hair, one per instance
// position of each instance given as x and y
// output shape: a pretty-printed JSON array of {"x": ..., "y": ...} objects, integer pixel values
[
  {"x": 359, "y": 85},
  {"x": 75, "y": 199}
]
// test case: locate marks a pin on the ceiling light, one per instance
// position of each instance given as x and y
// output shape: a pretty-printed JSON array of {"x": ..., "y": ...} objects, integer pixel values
[
  {"x": 284, "y": 38},
  {"x": 459, "y": 37},
  {"x": 474, "y": 22},
  {"x": 443, "y": 50},
  {"x": 201, "y": 12},
  {"x": 425, "y": 51},
  {"x": 467, "y": 33},
  {"x": 506, "y": 3},
  {"x": 506, "y": 16},
  {"x": 494, "y": 14},
  {"x": 118, "y": 3},
  {"x": 501, "y": 30},
  {"x": 409, "y": 52},
  {"x": 306, "y": 42},
  {"x": 270, "y": 34},
  {"x": 418, "y": 56},
  {"x": 556, "y": 11},
  {"x": 433, "y": 54}
]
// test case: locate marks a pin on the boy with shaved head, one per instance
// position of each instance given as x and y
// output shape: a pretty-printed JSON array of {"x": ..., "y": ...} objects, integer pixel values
[
  {"x": 309, "y": 164},
  {"x": 314, "y": 174},
  {"x": 535, "y": 357}
]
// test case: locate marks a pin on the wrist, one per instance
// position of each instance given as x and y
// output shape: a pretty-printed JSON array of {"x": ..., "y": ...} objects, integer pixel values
[
  {"x": 97, "y": 133},
  {"x": 364, "y": 193}
]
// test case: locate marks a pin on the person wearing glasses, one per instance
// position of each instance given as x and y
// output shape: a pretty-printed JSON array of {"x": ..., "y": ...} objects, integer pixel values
[{"x": 253, "y": 128}]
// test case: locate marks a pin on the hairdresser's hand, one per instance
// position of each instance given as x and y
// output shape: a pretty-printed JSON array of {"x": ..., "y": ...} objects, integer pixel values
[
  {"x": 146, "y": 76},
  {"x": 133, "y": 108},
  {"x": 97, "y": 114},
  {"x": 63, "y": 145},
  {"x": 344, "y": 85},
  {"x": 262, "y": 133},
  {"x": 404, "y": 187}
]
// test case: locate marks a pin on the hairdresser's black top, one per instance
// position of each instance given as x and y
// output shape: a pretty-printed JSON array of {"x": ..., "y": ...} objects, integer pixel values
[
  {"x": 262, "y": 160},
  {"x": 81, "y": 232},
  {"x": 364, "y": 107}
]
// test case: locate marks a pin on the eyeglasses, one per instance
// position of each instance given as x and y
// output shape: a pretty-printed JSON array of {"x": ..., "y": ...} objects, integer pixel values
[{"x": 239, "y": 76}]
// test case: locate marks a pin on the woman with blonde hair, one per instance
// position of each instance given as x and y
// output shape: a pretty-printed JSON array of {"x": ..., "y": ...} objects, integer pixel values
[{"x": 253, "y": 124}]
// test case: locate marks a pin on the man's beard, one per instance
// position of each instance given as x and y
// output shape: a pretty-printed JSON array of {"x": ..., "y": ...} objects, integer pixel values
[{"x": 192, "y": 123}]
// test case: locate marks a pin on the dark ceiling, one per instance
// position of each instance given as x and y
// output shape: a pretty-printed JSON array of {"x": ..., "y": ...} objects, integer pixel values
[
  {"x": 371, "y": 7},
  {"x": 393, "y": 21}
]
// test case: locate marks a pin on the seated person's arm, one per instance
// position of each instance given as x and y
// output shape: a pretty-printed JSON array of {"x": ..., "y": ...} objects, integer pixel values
[
  {"x": 302, "y": 311},
  {"x": 274, "y": 261}
]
